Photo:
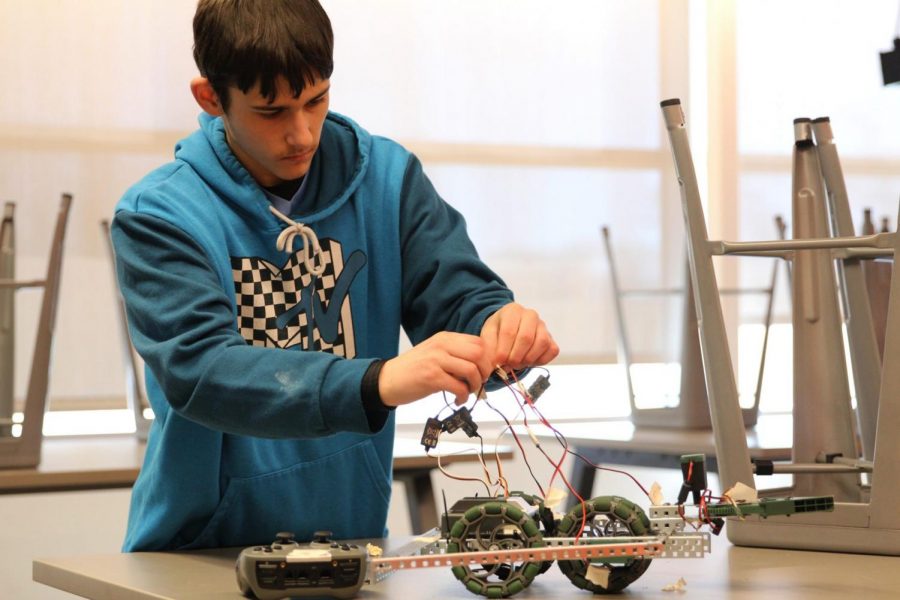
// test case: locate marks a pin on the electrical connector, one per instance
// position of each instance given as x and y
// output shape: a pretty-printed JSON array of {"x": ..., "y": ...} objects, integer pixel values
[
  {"x": 461, "y": 418},
  {"x": 538, "y": 387},
  {"x": 469, "y": 425},
  {"x": 453, "y": 422},
  {"x": 693, "y": 468},
  {"x": 432, "y": 431}
]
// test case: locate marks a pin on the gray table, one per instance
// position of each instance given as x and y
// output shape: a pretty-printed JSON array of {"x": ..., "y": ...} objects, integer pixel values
[{"x": 728, "y": 573}]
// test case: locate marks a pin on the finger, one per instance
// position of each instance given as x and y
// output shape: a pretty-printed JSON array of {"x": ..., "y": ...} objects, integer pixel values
[
  {"x": 472, "y": 349},
  {"x": 485, "y": 365},
  {"x": 542, "y": 343},
  {"x": 524, "y": 339},
  {"x": 551, "y": 353},
  {"x": 454, "y": 386},
  {"x": 448, "y": 341},
  {"x": 489, "y": 348},
  {"x": 451, "y": 339},
  {"x": 507, "y": 329},
  {"x": 464, "y": 371}
]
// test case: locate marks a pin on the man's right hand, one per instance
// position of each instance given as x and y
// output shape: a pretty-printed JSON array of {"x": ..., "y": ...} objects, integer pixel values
[{"x": 456, "y": 363}]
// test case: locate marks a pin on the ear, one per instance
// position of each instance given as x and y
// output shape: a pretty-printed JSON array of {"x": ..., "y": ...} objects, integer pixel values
[{"x": 206, "y": 96}]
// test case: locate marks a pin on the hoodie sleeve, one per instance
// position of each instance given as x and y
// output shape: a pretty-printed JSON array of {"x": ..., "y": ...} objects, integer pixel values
[
  {"x": 446, "y": 287},
  {"x": 183, "y": 325}
]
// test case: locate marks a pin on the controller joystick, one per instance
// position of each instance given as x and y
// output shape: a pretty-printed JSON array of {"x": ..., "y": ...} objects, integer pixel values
[
  {"x": 284, "y": 537},
  {"x": 322, "y": 537}
]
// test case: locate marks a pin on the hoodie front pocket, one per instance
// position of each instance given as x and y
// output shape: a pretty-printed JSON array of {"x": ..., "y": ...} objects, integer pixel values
[{"x": 346, "y": 493}]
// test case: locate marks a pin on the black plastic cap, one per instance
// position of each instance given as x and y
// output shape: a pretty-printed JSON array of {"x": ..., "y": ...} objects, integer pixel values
[
  {"x": 764, "y": 467},
  {"x": 890, "y": 64},
  {"x": 670, "y": 102},
  {"x": 802, "y": 120},
  {"x": 822, "y": 120},
  {"x": 322, "y": 537}
]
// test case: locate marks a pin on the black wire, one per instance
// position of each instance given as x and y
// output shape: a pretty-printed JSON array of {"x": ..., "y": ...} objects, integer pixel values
[{"x": 481, "y": 440}]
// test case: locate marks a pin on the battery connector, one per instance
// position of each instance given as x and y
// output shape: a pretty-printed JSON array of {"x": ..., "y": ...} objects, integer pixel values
[
  {"x": 461, "y": 419},
  {"x": 538, "y": 387},
  {"x": 433, "y": 428}
]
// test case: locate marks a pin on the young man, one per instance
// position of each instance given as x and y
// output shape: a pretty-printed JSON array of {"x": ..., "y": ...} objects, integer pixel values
[{"x": 272, "y": 350}]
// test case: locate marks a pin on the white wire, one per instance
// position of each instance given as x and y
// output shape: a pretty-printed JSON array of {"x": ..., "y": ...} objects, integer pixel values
[
  {"x": 311, "y": 248},
  {"x": 484, "y": 480}
]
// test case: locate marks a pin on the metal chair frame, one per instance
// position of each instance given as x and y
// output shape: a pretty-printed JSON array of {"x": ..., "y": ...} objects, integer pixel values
[
  {"x": 692, "y": 410},
  {"x": 25, "y": 450},
  {"x": 826, "y": 459}
]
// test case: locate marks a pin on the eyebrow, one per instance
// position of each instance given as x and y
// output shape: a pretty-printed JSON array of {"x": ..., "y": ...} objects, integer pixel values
[{"x": 268, "y": 107}]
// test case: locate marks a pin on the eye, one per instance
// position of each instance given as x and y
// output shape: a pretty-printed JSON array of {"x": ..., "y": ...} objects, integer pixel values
[
  {"x": 270, "y": 114},
  {"x": 318, "y": 101}
]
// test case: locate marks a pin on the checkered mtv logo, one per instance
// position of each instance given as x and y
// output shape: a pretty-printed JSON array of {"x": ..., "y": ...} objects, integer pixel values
[{"x": 284, "y": 306}]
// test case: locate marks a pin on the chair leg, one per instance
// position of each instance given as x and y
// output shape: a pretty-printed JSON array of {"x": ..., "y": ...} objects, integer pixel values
[{"x": 25, "y": 451}]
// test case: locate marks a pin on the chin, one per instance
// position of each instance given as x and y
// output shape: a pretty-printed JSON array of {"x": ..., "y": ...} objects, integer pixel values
[{"x": 293, "y": 173}]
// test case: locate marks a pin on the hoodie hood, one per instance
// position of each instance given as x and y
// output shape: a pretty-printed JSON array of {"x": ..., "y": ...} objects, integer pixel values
[{"x": 337, "y": 169}]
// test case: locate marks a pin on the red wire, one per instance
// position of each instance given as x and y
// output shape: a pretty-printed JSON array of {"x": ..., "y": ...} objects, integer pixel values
[
  {"x": 557, "y": 466},
  {"x": 566, "y": 451},
  {"x": 544, "y": 421},
  {"x": 556, "y": 432}
]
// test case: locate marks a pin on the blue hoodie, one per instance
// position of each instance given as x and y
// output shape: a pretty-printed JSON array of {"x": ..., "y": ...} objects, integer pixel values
[{"x": 254, "y": 365}]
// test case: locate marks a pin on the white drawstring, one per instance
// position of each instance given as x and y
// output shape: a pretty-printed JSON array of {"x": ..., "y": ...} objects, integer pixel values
[{"x": 311, "y": 248}]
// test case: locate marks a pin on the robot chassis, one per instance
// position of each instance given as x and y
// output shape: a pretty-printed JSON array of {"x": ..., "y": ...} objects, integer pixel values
[{"x": 497, "y": 546}]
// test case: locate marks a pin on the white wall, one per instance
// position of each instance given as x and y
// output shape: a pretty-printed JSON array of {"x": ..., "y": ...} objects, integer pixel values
[
  {"x": 540, "y": 125},
  {"x": 544, "y": 122}
]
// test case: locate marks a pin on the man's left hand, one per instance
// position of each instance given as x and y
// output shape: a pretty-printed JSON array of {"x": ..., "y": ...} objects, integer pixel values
[{"x": 516, "y": 338}]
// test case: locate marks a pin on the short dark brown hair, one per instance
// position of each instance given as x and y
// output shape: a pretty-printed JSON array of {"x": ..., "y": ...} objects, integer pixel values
[{"x": 244, "y": 42}]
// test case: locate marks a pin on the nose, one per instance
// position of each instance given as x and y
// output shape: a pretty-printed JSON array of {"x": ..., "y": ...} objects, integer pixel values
[{"x": 299, "y": 133}]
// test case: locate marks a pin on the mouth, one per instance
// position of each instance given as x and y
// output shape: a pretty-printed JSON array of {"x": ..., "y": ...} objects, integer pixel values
[{"x": 298, "y": 158}]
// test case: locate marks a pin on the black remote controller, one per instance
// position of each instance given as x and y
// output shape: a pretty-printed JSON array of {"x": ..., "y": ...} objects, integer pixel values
[{"x": 287, "y": 569}]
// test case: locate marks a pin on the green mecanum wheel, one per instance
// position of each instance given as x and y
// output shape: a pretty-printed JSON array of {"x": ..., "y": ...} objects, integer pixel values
[
  {"x": 607, "y": 516},
  {"x": 544, "y": 519},
  {"x": 495, "y": 526}
]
